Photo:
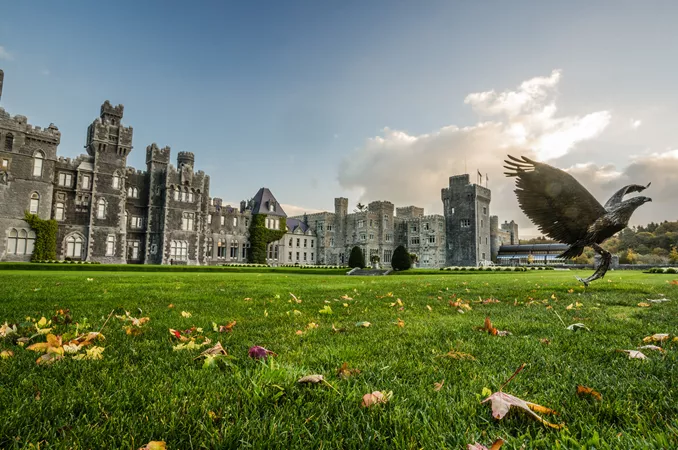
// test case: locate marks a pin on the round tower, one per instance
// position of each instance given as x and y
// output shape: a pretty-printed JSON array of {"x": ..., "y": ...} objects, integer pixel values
[{"x": 185, "y": 158}]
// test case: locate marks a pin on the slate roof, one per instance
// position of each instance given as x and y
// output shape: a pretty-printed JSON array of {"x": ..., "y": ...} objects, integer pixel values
[
  {"x": 262, "y": 199},
  {"x": 293, "y": 224}
]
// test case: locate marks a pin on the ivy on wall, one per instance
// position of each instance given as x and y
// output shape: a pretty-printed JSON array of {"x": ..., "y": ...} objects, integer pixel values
[
  {"x": 260, "y": 237},
  {"x": 45, "y": 237}
]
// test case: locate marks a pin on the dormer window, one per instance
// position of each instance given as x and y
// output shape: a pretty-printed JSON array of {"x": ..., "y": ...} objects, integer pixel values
[{"x": 271, "y": 206}]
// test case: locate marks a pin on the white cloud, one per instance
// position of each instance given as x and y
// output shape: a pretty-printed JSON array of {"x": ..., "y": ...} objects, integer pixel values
[
  {"x": 4, "y": 54},
  {"x": 635, "y": 123},
  {"x": 294, "y": 210},
  {"x": 411, "y": 169}
]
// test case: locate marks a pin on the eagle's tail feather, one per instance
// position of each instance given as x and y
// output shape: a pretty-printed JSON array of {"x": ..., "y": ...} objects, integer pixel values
[{"x": 572, "y": 252}]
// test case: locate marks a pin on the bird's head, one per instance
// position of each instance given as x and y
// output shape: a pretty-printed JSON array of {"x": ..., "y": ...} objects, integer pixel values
[{"x": 635, "y": 202}]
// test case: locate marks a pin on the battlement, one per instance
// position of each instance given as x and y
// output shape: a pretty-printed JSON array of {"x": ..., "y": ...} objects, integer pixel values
[
  {"x": 107, "y": 109},
  {"x": 156, "y": 154},
  {"x": 20, "y": 123},
  {"x": 407, "y": 212},
  {"x": 133, "y": 171},
  {"x": 185, "y": 158},
  {"x": 72, "y": 163}
]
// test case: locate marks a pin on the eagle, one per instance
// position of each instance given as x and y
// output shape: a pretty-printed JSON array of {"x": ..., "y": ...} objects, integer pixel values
[{"x": 565, "y": 211}]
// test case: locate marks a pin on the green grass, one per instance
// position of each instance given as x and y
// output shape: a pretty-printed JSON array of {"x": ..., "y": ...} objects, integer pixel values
[{"x": 142, "y": 390}]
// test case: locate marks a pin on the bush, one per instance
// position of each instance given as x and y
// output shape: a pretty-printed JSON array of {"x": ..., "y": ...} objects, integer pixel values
[
  {"x": 401, "y": 259},
  {"x": 357, "y": 259},
  {"x": 671, "y": 270}
]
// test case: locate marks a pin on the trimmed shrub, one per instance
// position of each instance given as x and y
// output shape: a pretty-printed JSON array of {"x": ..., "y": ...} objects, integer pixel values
[
  {"x": 401, "y": 259},
  {"x": 357, "y": 259}
]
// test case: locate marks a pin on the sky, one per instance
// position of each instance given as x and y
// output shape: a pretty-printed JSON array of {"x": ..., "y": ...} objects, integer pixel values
[{"x": 378, "y": 100}]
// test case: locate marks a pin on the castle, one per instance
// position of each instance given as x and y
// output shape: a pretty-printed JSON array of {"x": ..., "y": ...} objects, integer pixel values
[{"x": 111, "y": 213}]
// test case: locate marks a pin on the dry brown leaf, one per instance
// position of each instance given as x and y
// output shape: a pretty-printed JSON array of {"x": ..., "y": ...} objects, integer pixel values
[
  {"x": 545, "y": 341},
  {"x": 294, "y": 297},
  {"x": 375, "y": 398},
  {"x": 216, "y": 350},
  {"x": 227, "y": 328},
  {"x": 438, "y": 386},
  {"x": 651, "y": 347},
  {"x": 644, "y": 305},
  {"x": 661, "y": 337},
  {"x": 344, "y": 371},
  {"x": 400, "y": 323},
  {"x": 634, "y": 354},
  {"x": 311, "y": 379},
  {"x": 583, "y": 390},
  {"x": 458, "y": 355},
  {"x": 488, "y": 327},
  {"x": 496, "y": 445},
  {"x": 502, "y": 402}
]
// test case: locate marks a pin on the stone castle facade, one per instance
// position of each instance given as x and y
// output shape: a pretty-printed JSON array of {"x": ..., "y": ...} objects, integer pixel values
[{"x": 111, "y": 213}]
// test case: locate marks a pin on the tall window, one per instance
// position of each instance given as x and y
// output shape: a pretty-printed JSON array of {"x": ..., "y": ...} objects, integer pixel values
[
  {"x": 234, "y": 249},
  {"x": 209, "y": 219},
  {"x": 331, "y": 242},
  {"x": 387, "y": 256},
  {"x": 20, "y": 242},
  {"x": 74, "y": 246},
  {"x": 101, "y": 208},
  {"x": 59, "y": 211},
  {"x": 110, "y": 245},
  {"x": 37, "y": 163},
  {"x": 65, "y": 179},
  {"x": 9, "y": 142},
  {"x": 414, "y": 241},
  {"x": 34, "y": 204},
  {"x": 116, "y": 180},
  {"x": 222, "y": 220},
  {"x": 275, "y": 252},
  {"x": 85, "y": 181},
  {"x": 179, "y": 250},
  {"x": 187, "y": 221},
  {"x": 235, "y": 221},
  {"x": 208, "y": 247},
  {"x": 176, "y": 195},
  {"x": 245, "y": 248},
  {"x": 133, "y": 249},
  {"x": 132, "y": 192},
  {"x": 137, "y": 222}
]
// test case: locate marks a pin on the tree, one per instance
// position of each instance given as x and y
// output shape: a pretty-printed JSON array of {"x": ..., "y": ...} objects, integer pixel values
[
  {"x": 628, "y": 257},
  {"x": 401, "y": 259},
  {"x": 673, "y": 256},
  {"x": 357, "y": 259}
]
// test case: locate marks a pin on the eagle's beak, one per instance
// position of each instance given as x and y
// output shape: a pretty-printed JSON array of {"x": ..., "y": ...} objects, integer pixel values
[{"x": 648, "y": 199}]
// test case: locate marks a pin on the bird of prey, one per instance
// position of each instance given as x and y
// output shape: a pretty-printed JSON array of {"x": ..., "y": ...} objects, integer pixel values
[{"x": 566, "y": 212}]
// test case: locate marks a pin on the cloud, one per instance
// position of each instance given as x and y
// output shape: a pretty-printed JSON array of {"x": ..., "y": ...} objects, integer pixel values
[
  {"x": 411, "y": 169},
  {"x": 294, "y": 210},
  {"x": 635, "y": 123},
  {"x": 4, "y": 54}
]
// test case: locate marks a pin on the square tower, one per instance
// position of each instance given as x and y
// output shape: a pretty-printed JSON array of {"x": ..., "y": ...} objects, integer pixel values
[{"x": 467, "y": 222}]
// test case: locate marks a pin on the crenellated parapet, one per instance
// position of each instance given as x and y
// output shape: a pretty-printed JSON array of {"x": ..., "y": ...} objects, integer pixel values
[
  {"x": 19, "y": 124},
  {"x": 156, "y": 154}
]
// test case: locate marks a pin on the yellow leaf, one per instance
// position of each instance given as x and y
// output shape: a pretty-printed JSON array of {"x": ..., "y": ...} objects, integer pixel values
[
  {"x": 91, "y": 354},
  {"x": 6, "y": 354},
  {"x": 186, "y": 314},
  {"x": 583, "y": 390},
  {"x": 644, "y": 305},
  {"x": 400, "y": 323},
  {"x": 154, "y": 445},
  {"x": 429, "y": 308}
]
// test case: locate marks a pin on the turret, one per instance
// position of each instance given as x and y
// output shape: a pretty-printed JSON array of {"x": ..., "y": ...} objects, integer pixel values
[{"x": 185, "y": 158}]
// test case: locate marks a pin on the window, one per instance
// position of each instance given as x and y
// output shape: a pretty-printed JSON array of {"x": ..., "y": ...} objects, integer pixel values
[
  {"x": 275, "y": 252},
  {"x": 440, "y": 226},
  {"x": 414, "y": 241},
  {"x": 209, "y": 219},
  {"x": 290, "y": 242},
  {"x": 176, "y": 195},
  {"x": 484, "y": 212},
  {"x": 20, "y": 242},
  {"x": 389, "y": 237},
  {"x": 465, "y": 223},
  {"x": 305, "y": 243},
  {"x": 133, "y": 249},
  {"x": 116, "y": 180},
  {"x": 209, "y": 243},
  {"x": 413, "y": 228},
  {"x": 427, "y": 226},
  {"x": 74, "y": 246},
  {"x": 179, "y": 250},
  {"x": 387, "y": 256},
  {"x": 5, "y": 164},
  {"x": 101, "y": 208},
  {"x": 9, "y": 142},
  {"x": 370, "y": 222},
  {"x": 481, "y": 223},
  {"x": 312, "y": 242},
  {"x": 431, "y": 239},
  {"x": 329, "y": 227},
  {"x": 371, "y": 236},
  {"x": 34, "y": 204},
  {"x": 311, "y": 256},
  {"x": 132, "y": 192},
  {"x": 331, "y": 242},
  {"x": 59, "y": 211},
  {"x": 361, "y": 223},
  {"x": 234, "y": 249},
  {"x": 320, "y": 226},
  {"x": 245, "y": 248},
  {"x": 137, "y": 222},
  {"x": 65, "y": 179},
  {"x": 37, "y": 163},
  {"x": 235, "y": 221},
  {"x": 221, "y": 250},
  {"x": 373, "y": 253},
  {"x": 223, "y": 220},
  {"x": 298, "y": 243},
  {"x": 297, "y": 256},
  {"x": 270, "y": 251},
  {"x": 247, "y": 222},
  {"x": 304, "y": 256},
  {"x": 451, "y": 210},
  {"x": 85, "y": 181},
  {"x": 289, "y": 256},
  {"x": 110, "y": 245},
  {"x": 187, "y": 221},
  {"x": 483, "y": 255}
]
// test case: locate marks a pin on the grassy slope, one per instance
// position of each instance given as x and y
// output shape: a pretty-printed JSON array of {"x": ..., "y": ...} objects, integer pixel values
[{"x": 144, "y": 391}]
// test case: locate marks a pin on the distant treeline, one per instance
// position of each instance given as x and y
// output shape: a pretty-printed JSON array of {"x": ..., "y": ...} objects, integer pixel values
[{"x": 655, "y": 243}]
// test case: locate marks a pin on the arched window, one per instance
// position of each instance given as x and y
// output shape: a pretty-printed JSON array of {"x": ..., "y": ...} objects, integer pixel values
[
  {"x": 9, "y": 142},
  {"x": 101, "y": 208},
  {"x": 179, "y": 250},
  {"x": 116, "y": 180},
  {"x": 34, "y": 205},
  {"x": 59, "y": 211},
  {"x": 209, "y": 245},
  {"x": 74, "y": 246},
  {"x": 37, "y": 163},
  {"x": 20, "y": 242},
  {"x": 135, "y": 192},
  {"x": 110, "y": 245},
  {"x": 234, "y": 249},
  {"x": 129, "y": 191}
]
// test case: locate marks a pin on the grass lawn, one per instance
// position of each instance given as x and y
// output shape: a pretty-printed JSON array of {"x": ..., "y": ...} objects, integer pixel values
[{"x": 143, "y": 390}]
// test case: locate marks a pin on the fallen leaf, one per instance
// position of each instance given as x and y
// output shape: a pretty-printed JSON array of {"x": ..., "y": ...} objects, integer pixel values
[
  {"x": 91, "y": 354},
  {"x": 496, "y": 445},
  {"x": 487, "y": 326},
  {"x": 578, "y": 326},
  {"x": 569, "y": 291},
  {"x": 299, "y": 332},
  {"x": 326, "y": 310},
  {"x": 545, "y": 341},
  {"x": 458, "y": 355},
  {"x": 400, "y": 323},
  {"x": 258, "y": 352},
  {"x": 338, "y": 330},
  {"x": 216, "y": 350},
  {"x": 438, "y": 386},
  {"x": 502, "y": 402},
  {"x": 247, "y": 299},
  {"x": 295, "y": 298},
  {"x": 651, "y": 347},
  {"x": 583, "y": 390},
  {"x": 363, "y": 324},
  {"x": 634, "y": 354},
  {"x": 658, "y": 300},
  {"x": 190, "y": 345},
  {"x": 311, "y": 379},
  {"x": 429, "y": 308},
  {"x": 644, "y": 305},
  {"x": 344, "y": 372},
  {"x": 346, "y": 297},
  {"x": 6, "y": 330},
  {"x": 661, "y": 337},
  {"x": 224, "y": 328},
  {"x": 376, "y": 398},
  {"x": 171, "y": 305},
  {"x": 6, "y": 354},
  {"x": 186, "y": 314},
  {"x": 154, "y": 445},
  {"x": 312, "y": 325}
]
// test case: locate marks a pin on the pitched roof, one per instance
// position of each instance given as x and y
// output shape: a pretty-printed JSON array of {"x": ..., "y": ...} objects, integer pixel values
[
  {"x": 293, "y": 224},
  {"x": 262, "y": 201}
]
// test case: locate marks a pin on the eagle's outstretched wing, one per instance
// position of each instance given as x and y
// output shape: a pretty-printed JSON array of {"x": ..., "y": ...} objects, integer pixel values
[
  {"x": 560, "y": 207},
  {"x": 619, "y": 195}
]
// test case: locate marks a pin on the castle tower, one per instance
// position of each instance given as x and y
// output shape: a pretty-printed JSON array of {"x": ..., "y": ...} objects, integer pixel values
[
  {"x": 466, "y": 207},
  {"x": 2, "y": 78},
  {"x": 157, "y": 160},
  {"x": 109, "y": 142}
]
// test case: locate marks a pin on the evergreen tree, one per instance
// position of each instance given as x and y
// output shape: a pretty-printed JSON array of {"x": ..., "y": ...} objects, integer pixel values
[
  {"x": 401, "y": 259},
  {"x": 357, "y": 259}
]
